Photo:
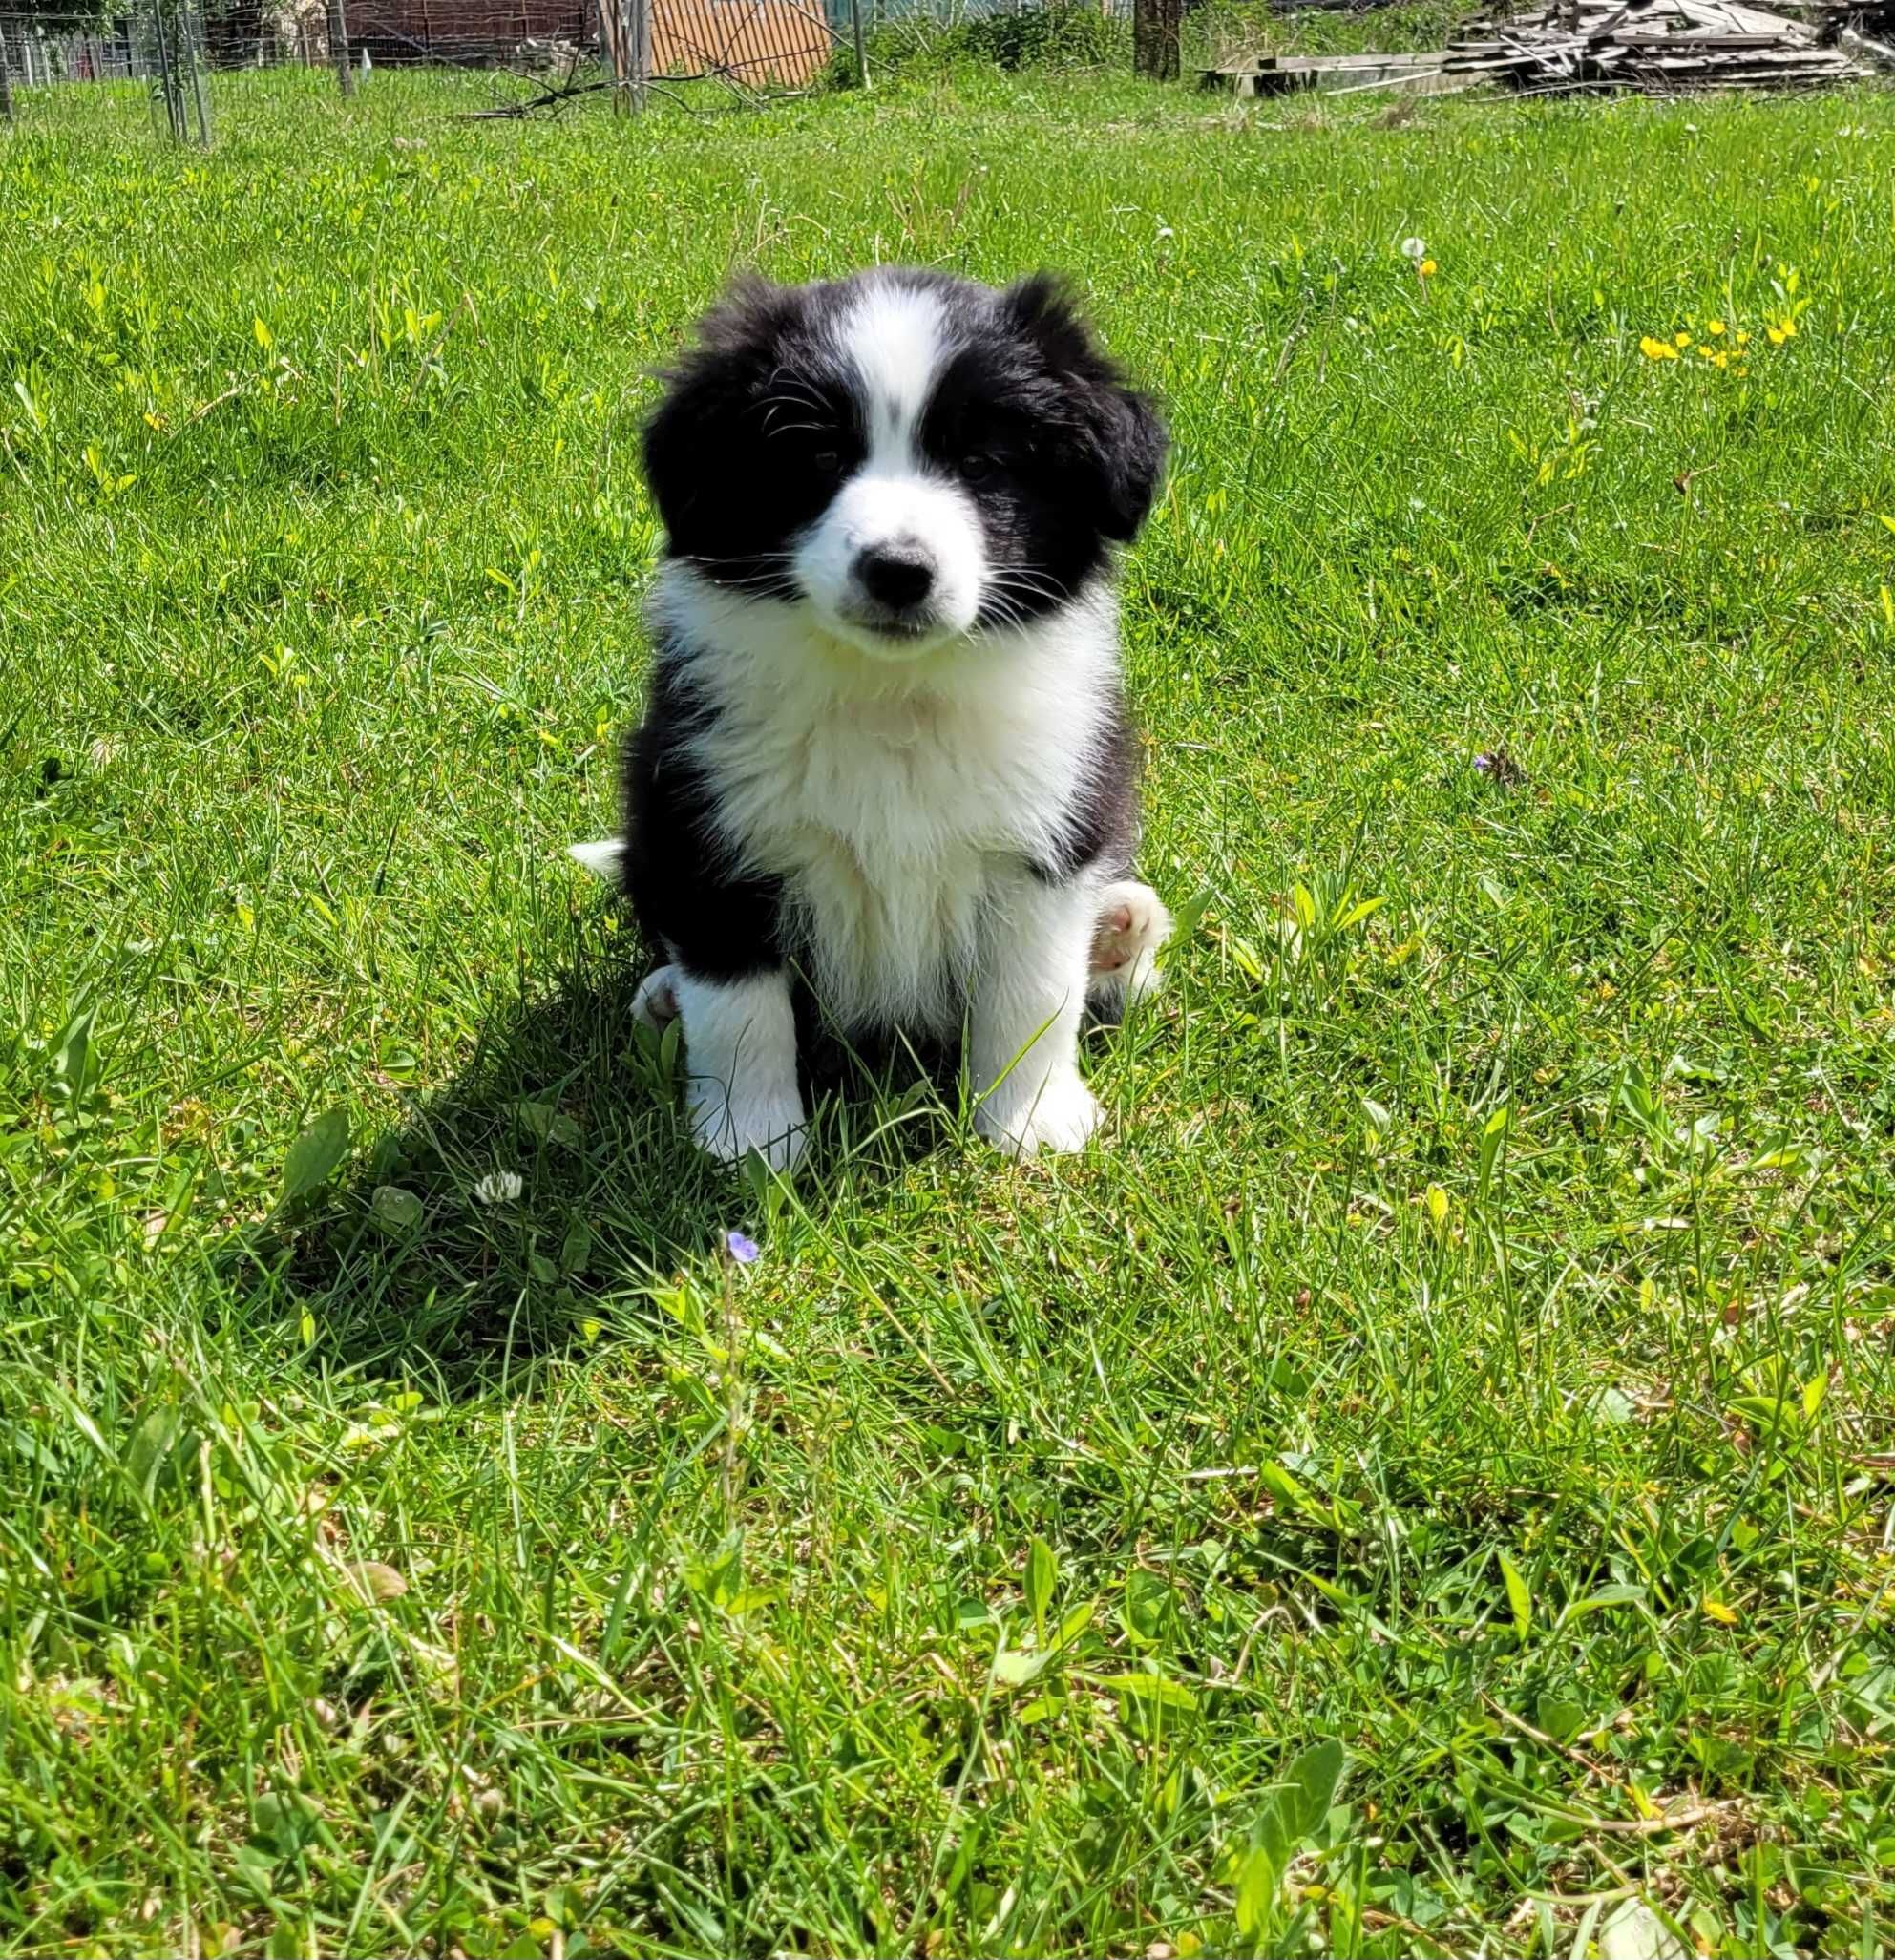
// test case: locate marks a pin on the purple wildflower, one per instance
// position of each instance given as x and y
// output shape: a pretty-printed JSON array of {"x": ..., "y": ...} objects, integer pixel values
[
  {"x": 743, "y": 1249},
  {"x": 1499, "y": 766}
]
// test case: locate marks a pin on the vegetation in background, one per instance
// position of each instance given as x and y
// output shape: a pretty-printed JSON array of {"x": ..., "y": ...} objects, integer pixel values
[
  {"x": 1422, "y": 1485},
  {"x": 1077, "y": 36},
  {"x": 1221, "y": 31},
  {"x": 1071, "y": 35}
]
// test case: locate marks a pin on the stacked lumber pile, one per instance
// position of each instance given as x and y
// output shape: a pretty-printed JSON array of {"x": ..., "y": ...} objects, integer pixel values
[{"x": 1661, "y": 46}]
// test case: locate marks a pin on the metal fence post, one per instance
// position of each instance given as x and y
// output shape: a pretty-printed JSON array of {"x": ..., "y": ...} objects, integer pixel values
[
  {"x": 339, "y": 48},
  {"x": 861, "y": 44},
  {"x": 640, "y": 52},
  {"x": 5, "y": 79}
]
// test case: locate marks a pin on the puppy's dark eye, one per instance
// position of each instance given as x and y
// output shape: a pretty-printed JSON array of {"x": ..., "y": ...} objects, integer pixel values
[
  {"x": 980, "y": 466},
  {"x": 826, "y": 462}
]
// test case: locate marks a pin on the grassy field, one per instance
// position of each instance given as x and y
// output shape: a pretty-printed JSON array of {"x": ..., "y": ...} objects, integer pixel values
[{"x": 1420, "y": 1485}]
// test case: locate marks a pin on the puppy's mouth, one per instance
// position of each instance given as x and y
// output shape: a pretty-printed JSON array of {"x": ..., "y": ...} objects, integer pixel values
[
  {"x": 900, "y": 629},
  {"x": 894, "y": 641}
]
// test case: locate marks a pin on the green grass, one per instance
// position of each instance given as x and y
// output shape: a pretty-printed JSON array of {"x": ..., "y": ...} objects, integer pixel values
[
  {"x": 1471, "y": 1349},
  {"x": 1225, "y": 31}
]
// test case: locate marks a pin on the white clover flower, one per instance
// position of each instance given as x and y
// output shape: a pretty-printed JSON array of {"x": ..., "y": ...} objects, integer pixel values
[{"x": 499, "y": 1188}]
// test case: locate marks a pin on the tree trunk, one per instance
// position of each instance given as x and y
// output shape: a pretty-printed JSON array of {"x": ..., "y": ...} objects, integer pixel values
[
  {"x": 612, "y": 47},
  {"x": 639, "y": 49},
  {"x": 190, "y": 26},
  {"x": 339, "y": 48},
  {"x": 1156, "y": 41}
]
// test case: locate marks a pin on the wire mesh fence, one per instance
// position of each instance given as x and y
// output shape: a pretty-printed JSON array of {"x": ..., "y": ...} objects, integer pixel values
[
  {"x": 163, "y": 48},
  {"x": 763, "y": 39},
  {"x": 539, "y": 53}
]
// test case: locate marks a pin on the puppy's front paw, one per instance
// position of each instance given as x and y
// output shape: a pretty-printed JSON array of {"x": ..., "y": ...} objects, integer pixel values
[
  {"x": 1062, "y": 1116},
  {"x": 730, "y": 1126}
]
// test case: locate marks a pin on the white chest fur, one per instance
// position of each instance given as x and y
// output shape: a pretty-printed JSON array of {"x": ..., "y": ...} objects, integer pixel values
[{"x": 892, "y": 797}]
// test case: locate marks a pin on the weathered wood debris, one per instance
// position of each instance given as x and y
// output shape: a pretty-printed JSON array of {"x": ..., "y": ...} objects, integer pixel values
[{"x": 1657, "y": 47}]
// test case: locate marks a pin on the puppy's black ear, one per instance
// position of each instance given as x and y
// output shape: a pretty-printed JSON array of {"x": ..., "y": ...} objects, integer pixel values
[
  {"x": 692, "y": 434},
  {"x": 1134, "y": 446},
  {"x": 1121, "y": 437}
]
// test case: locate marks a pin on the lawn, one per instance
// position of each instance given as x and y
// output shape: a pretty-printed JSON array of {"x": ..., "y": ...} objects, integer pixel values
[{"x": 1421, "y": 1482}]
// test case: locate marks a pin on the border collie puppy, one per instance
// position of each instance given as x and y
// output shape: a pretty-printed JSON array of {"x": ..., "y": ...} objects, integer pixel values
[{"x": 885, "y": 757}]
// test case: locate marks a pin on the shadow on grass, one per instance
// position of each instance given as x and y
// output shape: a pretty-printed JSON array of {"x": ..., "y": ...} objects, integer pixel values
[{"x": 534, "y": 1201}]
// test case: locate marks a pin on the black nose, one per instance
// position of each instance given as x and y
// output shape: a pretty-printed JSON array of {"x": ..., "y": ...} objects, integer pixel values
[{"x": 897, "y": 575}]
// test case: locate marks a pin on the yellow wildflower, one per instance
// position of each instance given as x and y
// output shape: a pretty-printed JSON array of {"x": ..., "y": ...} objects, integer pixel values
[
  {"x": 1657, "y": 349},
  {"x": 1743, "y": 340},
  {"x": 1426, "y": 269},
  {"x": 1681, "y": 340},
  {"x": 1713, "y": 326}
]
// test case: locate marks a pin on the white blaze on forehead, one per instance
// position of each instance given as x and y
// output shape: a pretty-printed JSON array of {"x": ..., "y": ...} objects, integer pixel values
[{"x": 895, "y": 338}]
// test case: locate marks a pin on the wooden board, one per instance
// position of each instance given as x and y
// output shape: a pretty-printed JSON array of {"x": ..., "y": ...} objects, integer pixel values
[{"x": 1277, "y": 74}]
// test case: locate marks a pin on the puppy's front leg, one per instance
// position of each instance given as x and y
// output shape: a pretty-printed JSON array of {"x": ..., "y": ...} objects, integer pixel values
[
  {"x": 740, "y": 1062},
  {"x": 1023, "y": 1033}
]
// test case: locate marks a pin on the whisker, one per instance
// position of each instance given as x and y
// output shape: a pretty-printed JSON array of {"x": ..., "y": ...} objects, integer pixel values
[{"x": 1048, "y": 589}]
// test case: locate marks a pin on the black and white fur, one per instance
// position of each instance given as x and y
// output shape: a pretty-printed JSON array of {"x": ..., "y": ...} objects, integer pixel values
[{"x": 885, "y": 753}]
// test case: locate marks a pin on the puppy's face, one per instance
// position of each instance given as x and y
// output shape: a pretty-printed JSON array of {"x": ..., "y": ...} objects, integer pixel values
[{"x": 914, "y": 458}]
